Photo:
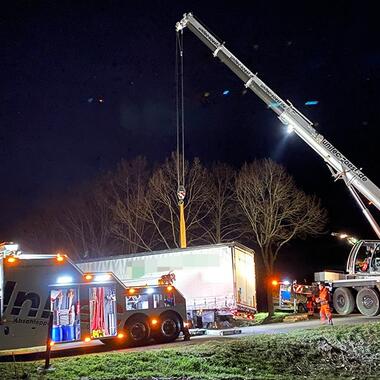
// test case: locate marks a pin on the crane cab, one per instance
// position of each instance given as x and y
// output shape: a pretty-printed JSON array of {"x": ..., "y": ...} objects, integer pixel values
[{"x": 364, "y": 259}]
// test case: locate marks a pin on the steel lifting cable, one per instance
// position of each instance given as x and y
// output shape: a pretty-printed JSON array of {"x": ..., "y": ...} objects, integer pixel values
[
  {"x": 182, "y": 113},
  {"x": 180, "y": 105},
  {"x": 181, "y": 192},
  {"x": 177, "y": 105}
]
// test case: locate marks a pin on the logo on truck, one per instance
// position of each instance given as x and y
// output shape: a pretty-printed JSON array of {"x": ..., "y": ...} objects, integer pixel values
[
  {"x": 344, "y": 160},
  {"x": 31, "y": 298}
]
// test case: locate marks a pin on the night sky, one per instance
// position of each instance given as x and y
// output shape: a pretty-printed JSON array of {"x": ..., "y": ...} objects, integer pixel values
[{"x": 85, "y": 84}]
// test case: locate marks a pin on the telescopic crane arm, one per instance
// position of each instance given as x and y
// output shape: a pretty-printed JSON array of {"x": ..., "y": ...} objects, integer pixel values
[{"x": 339, "y": 165}]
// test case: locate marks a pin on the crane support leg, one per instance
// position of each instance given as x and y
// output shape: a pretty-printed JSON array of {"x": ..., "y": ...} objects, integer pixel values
[
  {"x": 343, "y": 175},
  {"x": 365, "y": 210}
]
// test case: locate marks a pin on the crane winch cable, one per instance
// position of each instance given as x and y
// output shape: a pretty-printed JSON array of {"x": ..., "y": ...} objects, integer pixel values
[{"x": 180, "y": 109}]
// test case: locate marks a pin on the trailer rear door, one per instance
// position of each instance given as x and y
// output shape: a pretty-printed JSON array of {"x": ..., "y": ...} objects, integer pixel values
[{"x": 245, "y": 280}]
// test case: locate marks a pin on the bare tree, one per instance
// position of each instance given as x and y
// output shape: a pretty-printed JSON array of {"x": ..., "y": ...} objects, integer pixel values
[
  {"x": 129, "y": 203},
  {"x": 276, "y": 210},
  {"x": 162, "y": 203},
  {"x": 223, "y": 222},
  {"x": 77, "y": 224}
]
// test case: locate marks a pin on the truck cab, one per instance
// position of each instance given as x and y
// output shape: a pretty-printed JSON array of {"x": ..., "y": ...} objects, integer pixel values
[
  {"x": 364, "y": 259},
  {"x": 25, "y": 298}
]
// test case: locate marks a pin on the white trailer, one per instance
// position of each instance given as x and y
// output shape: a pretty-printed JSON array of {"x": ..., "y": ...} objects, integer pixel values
[{"x": 211, "y": 277}]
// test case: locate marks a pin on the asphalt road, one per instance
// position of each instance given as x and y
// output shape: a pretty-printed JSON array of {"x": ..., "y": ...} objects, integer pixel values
[
  {"x": 278, "y": 328},
  {"x": 78, "y": 348}
]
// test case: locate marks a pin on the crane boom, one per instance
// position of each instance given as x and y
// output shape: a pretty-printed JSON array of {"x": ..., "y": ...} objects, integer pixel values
[{"x": 341, "y": 168}]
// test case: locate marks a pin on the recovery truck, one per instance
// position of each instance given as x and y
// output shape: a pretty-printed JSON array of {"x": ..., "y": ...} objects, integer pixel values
[
  {"x": 359, "y": 286},
  {"x": 84, "y": 305}
]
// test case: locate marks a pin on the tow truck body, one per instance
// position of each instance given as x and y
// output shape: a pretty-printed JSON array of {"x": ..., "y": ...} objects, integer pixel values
[{"x": 84, "y": 306}]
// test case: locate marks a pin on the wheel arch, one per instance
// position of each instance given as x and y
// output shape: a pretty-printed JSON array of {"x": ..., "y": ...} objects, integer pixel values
[
  {"x": 173, "y": 313},
  {"x": 136, "y": 316}
]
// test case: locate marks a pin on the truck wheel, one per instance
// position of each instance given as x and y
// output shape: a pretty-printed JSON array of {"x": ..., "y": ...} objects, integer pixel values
[
  {"x": 137, "y": 330},
  {"x": 343, "y": 301},
  {"x": 169, "y": 329},
  {"x": 368, "y": 303}
]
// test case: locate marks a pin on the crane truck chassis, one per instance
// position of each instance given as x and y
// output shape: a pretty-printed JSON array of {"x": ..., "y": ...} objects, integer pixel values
[
  {"x": 85, "y": 306},
  {"x": 360, "y": 286}
]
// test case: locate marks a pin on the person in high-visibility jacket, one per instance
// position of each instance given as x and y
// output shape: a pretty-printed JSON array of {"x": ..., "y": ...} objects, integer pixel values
[
  {"x": 323, "y": 300},
  {"x": 310, "y": 305}
]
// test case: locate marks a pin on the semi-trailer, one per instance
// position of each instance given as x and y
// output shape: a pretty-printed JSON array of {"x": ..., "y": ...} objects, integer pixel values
[{"x": 217, "y": 278}]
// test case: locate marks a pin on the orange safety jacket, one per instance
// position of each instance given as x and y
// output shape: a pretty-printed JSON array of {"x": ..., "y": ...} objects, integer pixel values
[{"x": 324, "y": 296}]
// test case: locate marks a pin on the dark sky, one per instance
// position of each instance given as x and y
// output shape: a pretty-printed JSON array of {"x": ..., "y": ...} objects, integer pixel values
[{"x": 59, "y": 59}]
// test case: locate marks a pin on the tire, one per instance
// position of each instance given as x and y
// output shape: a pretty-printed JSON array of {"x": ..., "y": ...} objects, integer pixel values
[
  {"x": 169, "y": 328},
  {"x": 368, "y": 302},
  {"x": 343, "y": 301},
  {"x": 137, "y": 331}
]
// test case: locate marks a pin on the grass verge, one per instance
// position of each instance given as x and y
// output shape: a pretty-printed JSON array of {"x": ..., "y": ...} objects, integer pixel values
[
  {"x": 277, "y": 317},
  {"x": 261, "y": 318},
  {"x": 328, "y": 352}
]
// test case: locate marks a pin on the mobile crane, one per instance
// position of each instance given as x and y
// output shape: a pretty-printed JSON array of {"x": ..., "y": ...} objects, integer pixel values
[{"x": 363, "y": 266}]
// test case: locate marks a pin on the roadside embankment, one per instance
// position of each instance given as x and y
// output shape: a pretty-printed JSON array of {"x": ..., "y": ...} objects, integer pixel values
[{"x": 327, "y": 352}]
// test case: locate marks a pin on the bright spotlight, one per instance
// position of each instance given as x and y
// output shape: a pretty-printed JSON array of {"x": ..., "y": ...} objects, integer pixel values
[{"x": 289, "y": 129}]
